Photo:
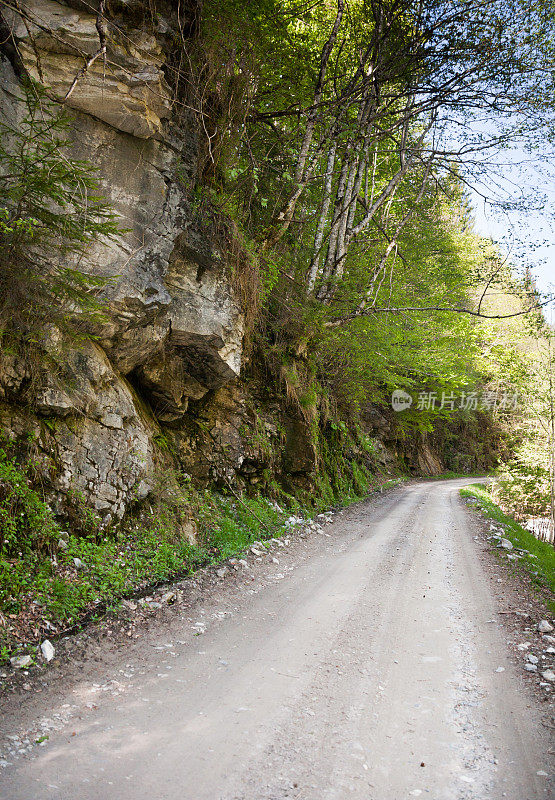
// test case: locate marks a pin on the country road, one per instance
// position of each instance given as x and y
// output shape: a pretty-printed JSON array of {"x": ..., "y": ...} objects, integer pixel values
[{"x": 365, "y": 665}]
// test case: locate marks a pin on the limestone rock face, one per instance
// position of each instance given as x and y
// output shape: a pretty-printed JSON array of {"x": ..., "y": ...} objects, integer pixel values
[
  {"x": 102, "y": 444},
  {"x": 126, "y": 89},
  {"x": 90, "y": 434},
  {"x": 205, "y": 319},
  {"x": 174, "y": 329},
  {"x": 169, "y": 386},
  {"x": 128, "y": 131},
  {"x": 242, "y": 439},
  {"x": 13, "y": 373}
]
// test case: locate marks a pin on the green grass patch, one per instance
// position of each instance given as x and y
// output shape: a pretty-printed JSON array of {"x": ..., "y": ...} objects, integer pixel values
[
  {"x": 42, "y": 582},
  {"x": 539, "y": 561}
]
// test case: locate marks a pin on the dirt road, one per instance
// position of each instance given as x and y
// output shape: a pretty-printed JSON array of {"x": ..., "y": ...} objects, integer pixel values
[{"x": 366, "y": 664}]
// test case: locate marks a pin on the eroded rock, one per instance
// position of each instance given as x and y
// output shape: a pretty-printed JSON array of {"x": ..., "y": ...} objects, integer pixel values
[
  {"x": 176, "y": 329},
  {"x": 127, "y": 89}
]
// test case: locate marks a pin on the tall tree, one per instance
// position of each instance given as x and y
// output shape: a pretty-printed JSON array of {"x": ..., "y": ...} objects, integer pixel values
[{"x": 362, "y": 108}]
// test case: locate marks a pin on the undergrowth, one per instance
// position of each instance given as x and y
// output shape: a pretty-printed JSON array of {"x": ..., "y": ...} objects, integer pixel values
[
  {"x": 538, "y": 560},
  {"x": 52, "y": 579}
]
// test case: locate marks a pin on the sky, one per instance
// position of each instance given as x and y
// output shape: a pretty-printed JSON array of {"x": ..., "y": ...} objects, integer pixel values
[
  {"x": 527, "y": 234},
  {"x": 518, "y": 233}
]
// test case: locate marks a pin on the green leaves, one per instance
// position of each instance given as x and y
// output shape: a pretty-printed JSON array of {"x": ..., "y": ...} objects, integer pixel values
[
  {"x": 50, "y": 215},
  {"x": 26, "y": 522}
]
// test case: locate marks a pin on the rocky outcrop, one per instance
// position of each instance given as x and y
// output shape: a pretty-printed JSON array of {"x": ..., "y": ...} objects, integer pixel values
[
  {"x": 230, "y": 440},
  {"x": 125, "y": 87},
  {"x": 89, "y": 429},
  {"x": 175, "y": 326},
  {"x": 166, "y": 269},
  {"x": 427, "y": 462}
]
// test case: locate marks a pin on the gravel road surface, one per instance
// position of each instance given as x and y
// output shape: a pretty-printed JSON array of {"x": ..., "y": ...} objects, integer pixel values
[{"x": 368, "y": 663}]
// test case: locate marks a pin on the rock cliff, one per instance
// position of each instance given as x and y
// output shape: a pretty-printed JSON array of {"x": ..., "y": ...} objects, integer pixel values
[{"x": 175, "y": 324}]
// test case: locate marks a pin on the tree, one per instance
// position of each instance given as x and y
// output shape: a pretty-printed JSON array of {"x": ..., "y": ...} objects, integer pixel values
[
  {"x": 49, "y": 213},
  {"x": 362, "y": 109},
  {"x": 522, "y": 355}
]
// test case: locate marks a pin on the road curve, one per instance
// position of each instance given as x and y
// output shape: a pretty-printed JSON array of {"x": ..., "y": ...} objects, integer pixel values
[{"x": 369, "y": 671}]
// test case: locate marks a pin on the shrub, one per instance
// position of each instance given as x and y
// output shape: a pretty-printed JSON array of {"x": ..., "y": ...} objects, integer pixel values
[
  {"x": 50, "y": 213},
  {"x": 26, "y": 521}
]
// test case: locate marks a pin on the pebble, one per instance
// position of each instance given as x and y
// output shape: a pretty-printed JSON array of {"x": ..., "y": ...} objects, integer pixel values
[
  {"x": 78, "y": 563},
  {"x": 544, "y": 626},
  {"x": 506, "y": 544},
  {"x": 20, "y": 662},
  {"x": 530, "y": 667},
  {"x": 221, "y": 572},
  {"x": 532, "y": 658},
  {"x": 548, "y": 675}
]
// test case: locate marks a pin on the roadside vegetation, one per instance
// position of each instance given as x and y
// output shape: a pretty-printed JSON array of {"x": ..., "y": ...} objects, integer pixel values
[
  {"x": 525, "y": 483},
  {"x": 535, "y": 557},
  {"x": 53, "y": 578}
]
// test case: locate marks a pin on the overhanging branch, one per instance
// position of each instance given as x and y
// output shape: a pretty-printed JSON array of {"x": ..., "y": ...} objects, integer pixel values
[{"x": 389, "y": 310}]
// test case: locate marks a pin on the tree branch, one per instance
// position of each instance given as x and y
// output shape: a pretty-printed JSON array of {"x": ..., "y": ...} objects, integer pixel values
[
  {"x": 102, "y": 33},
  {"x": 387, "y": 310}
]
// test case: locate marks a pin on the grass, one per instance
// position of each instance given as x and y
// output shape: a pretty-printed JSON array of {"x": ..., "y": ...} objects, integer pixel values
[
  {"x": 44, "y": 592},
  {"x": 47, "y": 591},
  {"x": 539, "y": 561}
]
